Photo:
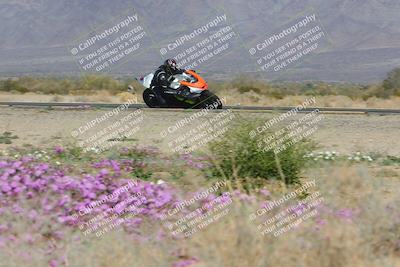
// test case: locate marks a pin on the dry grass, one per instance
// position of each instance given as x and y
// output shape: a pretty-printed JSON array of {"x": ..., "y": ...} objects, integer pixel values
[
  {"x": 233, "y": 97},
  {"x": 101, "y": 96},
  {"x": 370, "y": 239}
]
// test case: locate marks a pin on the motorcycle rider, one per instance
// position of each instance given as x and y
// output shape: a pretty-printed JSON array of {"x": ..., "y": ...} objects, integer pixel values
[{"x": 163, "y": 78}]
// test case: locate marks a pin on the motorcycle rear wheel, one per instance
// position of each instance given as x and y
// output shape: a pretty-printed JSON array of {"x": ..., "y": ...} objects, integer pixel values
[{"x": 150, "y": 98}]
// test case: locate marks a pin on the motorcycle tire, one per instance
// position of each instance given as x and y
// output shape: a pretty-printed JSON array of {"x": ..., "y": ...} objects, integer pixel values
[
  {"x": 208, "y": 99},
  {"x": 150, "y": 99}
]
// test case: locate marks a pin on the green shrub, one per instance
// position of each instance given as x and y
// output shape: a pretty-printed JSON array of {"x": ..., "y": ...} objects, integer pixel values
[
  {"x": 391, "y": 160},
  {"x": 391, "y": 85},
  {"x": 13, "y": 86},
  {"x": 245, "y": 89},
  {"x": 393, "y": 80},
  {"x": 237, "y": 156},
  {"x": 7, "y": 137},
  {"x": 90, "y": 84},
  {"x": 85, "y": 85}
]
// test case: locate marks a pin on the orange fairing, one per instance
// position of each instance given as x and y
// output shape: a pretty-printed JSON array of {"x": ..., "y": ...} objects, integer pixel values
[{"x": 201, "y": 83}]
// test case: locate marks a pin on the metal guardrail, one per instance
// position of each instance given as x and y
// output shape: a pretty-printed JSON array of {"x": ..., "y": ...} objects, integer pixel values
[{"x": 249, "y": 108}]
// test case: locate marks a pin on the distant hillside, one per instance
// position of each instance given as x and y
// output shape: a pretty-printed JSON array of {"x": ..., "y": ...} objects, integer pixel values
[{"x": 362, "y": 44}]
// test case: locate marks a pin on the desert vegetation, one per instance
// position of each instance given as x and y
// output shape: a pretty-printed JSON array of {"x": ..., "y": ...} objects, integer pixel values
[
  {"x": 43, "y": 193},
  {"x": 239, "y": 90}
]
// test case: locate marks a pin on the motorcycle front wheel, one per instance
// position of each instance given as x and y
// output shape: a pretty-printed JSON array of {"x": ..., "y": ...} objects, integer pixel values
[{"x": 209, "y": 99}]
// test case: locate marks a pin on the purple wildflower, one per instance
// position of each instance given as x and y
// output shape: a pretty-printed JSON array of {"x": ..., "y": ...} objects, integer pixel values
[{"x": 59, "y": 150}]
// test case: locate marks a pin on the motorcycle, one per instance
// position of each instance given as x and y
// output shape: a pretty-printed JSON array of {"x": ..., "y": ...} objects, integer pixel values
[{"x": 187, "y": 90}]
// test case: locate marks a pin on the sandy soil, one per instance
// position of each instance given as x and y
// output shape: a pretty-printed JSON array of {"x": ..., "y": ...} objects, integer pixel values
[
  {"x": 41, "y": 127},
  {"x": 32, "y": 97}
]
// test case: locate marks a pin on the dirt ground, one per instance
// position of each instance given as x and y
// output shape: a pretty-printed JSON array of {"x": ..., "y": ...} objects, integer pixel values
[{"x": 344, "y": 133}]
